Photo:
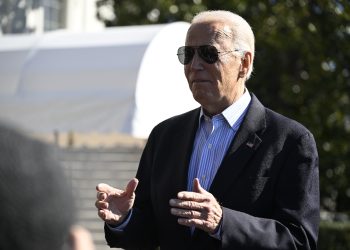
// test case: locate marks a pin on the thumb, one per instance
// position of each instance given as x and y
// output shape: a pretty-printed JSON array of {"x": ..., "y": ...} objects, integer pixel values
[
  {"x": 197, "y": 187},
  {"x": 131, "y": 187}
]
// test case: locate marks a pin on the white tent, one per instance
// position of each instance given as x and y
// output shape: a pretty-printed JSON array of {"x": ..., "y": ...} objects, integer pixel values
[{"x": 124, "y": 79}]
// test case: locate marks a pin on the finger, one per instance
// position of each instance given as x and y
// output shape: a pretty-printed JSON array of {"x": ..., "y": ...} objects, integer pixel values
[
  {"x": 193, "y": 214},
  {"x": 207, "y": 226},
  {"x": 192, "y": 196},
  {"x": 109, "y": 190},
  {"x": 109, "y": 217},
  {"x": 101, "y": 196},
  {"x": 198, "y": 223},
  {"x": 101, "y": 213},
  {"x": 192, "y": 222},
  {"x": 103, "y": 187},
  {"x": 185, "y": 204},
  {"x": 106, "y": 215},
  {"x": 101, "y": 205},
  {"x": 131, "y": 187}
]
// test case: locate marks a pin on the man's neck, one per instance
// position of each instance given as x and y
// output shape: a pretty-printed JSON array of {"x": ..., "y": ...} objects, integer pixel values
[{"x": 212, "y": 111}]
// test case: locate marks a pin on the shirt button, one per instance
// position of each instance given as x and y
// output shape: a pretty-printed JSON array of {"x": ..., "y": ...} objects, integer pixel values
[{"x": 210, "y": 145}]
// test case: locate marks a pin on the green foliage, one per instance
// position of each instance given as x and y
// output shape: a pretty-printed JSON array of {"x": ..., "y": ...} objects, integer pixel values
[
  {"x": 135, "y": 12},
  {"x": 334, "y": 236},
  {"x": 302, "y": 68}
]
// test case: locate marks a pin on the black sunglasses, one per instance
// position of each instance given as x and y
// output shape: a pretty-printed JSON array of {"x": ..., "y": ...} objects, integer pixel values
[{"x": 208, "y": 53}]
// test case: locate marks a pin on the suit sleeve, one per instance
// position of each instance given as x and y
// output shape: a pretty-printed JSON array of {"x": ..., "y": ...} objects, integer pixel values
[{"x": 294, "y": 221}]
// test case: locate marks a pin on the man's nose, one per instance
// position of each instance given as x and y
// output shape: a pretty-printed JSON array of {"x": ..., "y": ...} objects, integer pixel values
[{"x": 197, "y": 61}]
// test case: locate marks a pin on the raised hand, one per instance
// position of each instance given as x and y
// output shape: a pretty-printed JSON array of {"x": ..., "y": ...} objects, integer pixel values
[
  {"x": 198, "y": 208},
  {"x": 114, "y": 204}
]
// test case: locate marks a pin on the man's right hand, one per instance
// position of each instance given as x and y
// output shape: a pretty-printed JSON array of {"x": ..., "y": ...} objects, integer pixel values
[{"x": 114, "y": 204}]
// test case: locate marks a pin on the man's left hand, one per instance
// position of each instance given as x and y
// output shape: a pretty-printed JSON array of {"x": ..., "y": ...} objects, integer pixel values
[{"x": 198, "y": 208}]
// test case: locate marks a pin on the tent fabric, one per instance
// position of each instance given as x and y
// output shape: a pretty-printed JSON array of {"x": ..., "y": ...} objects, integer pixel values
[{"x": 124, "y": 79}]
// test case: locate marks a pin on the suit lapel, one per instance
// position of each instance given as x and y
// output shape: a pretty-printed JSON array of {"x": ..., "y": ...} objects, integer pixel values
[
  {"x": 185, "y": 136},
  {"x": 246, "y": 141},
  {"x": 184, "y": 139}
]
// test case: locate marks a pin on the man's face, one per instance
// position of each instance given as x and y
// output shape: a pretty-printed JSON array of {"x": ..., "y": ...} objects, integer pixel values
[{"x": 215, "y": 86}]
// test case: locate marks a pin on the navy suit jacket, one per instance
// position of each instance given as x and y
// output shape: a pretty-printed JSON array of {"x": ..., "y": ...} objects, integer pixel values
[{"x": 267, "y": 185}]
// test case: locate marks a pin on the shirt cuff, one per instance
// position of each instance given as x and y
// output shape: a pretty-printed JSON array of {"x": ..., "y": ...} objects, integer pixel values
[{"x": 120, "y": 227}]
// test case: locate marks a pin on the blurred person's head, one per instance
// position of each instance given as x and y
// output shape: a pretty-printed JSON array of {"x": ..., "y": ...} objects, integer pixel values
[{"x": 36, "y": 208}]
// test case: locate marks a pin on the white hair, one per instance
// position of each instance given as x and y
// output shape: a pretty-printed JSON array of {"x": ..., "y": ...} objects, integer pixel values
[{"x": 242, "y": 33}]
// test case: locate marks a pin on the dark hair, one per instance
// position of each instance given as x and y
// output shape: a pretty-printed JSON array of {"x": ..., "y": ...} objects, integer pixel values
[{"x": 36, "y": 207}]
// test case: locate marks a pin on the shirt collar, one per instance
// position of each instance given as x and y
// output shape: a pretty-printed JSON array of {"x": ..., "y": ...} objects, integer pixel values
[{"x": 235, "y": 110}]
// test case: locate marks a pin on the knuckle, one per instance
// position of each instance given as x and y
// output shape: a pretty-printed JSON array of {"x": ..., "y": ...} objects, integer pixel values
[
  {"x": 192, "y": 204},
  {"x": 208, "y": 198},
  {"x": 101, "y": 215},
  {"x": 187, "y": 204},
  {"x": 97, "y": 204},
  {"x": 191, "y": 222},
  {"x": 202, "y": 223},
  {"x": 206, "y": 208},
  {"x": 101, "y": 196}
]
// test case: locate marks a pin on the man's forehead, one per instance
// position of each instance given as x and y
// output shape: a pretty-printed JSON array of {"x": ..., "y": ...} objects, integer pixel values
[{"x": 214, "y": 30}]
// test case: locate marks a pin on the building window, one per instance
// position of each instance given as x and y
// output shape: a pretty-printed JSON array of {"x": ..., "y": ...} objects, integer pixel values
[{"x": 54, "y": 11}]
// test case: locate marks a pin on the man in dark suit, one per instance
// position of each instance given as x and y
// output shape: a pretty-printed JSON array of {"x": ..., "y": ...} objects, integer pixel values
[{"x": 231, "y": 174}]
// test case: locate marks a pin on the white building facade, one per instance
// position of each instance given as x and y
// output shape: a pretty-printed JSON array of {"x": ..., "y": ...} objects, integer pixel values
[{"x": 39, "y": 16}]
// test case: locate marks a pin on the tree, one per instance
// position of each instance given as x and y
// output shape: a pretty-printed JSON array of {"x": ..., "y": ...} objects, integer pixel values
[
  {"x": 302, "y": 68},
  {"x": 134, "y": 12}
]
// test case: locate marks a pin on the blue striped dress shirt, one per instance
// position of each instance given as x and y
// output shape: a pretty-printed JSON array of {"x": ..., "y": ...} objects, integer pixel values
[{"x": 213, "y": 137}]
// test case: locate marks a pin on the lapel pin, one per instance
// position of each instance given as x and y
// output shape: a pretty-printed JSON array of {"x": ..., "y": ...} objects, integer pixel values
[{"x": 250, "y": 144}]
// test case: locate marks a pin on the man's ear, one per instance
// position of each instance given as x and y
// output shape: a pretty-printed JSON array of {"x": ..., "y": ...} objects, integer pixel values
[{"x": 245, "y": 64}]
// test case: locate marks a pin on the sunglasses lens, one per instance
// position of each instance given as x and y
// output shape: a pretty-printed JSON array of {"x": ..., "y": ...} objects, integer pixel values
[
  {"x": 185, "y": 54},
  {"x": 208, "y": 53}
]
